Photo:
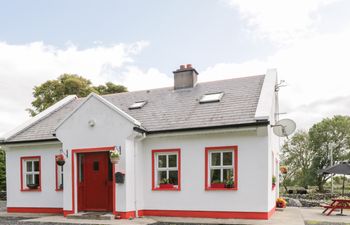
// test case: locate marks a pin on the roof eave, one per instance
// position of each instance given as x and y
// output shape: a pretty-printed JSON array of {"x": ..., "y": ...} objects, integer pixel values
[{"x": 253, "y": 124}]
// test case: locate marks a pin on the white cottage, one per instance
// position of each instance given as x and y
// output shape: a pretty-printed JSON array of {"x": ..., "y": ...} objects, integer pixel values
[{"x": 192, "y": 150}]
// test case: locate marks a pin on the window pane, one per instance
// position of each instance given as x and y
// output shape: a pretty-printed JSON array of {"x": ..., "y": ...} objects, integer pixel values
[
  {"x": 162, "y": 161},
  {"x": 173, "y": 179},
  {"x": 161, "y": 175},
  {"x": 227, "y": 161},
  {"x": 172, "y": 160},
  {"x": 29, "y": 179},
  {"x": 228, "y": 173},
  {"x": 215, "y": 176},
  {"x": 29, "y": 166},
  {"x": 215, "y": 159},
  {"x": 36, "y": 166},
  {"x": 81, "y": 167},
  {"x": 96, "y": 166},
  {"x": 36, "y": 179},
  {"x": 60, "y": 177}
]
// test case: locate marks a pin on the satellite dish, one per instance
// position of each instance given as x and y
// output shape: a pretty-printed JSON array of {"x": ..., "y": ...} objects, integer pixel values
[{"x": 284, "y": 128}]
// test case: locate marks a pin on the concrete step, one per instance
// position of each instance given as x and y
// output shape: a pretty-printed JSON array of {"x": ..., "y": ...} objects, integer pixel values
[{"x": 92, "y": 216}]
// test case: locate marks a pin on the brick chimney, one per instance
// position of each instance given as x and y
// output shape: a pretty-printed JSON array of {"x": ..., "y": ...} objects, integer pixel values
[{"x": 185, "y": 77}]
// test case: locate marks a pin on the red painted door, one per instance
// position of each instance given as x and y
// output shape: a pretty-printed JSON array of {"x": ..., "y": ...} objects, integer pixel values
[{"x": 94, "y": 182}]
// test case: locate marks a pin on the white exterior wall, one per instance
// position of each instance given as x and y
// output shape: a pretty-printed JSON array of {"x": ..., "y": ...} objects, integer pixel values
[
  {"x": 253, "y": 182},
  {"x": 110, "y": 129},
  {"x": 48, "y": 197}
]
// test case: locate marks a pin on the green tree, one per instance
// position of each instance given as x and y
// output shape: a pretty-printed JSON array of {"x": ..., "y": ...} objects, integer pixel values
[
  {"x": 297, "y": 156},
  {"x": 329, "y": 134},
  {"x": 110, "y": 88},
  {"x": 53, "y": 91},
  {"x": 2, "y": 170}
]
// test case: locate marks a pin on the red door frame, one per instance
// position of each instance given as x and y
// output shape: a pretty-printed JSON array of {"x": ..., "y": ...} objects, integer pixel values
[{"x": 75, "y": 181}]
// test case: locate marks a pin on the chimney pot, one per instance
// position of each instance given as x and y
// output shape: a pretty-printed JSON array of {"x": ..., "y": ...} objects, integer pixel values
[
  {"x": 182, "y": 67},
  {"x": 189, "y": 66}
]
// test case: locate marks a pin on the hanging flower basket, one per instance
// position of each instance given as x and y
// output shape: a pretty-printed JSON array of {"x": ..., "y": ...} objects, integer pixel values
[
  {"x": 283, "y": 169},
  {"x": 60, "y": 160},
  {"x": 114, "y": 156}
]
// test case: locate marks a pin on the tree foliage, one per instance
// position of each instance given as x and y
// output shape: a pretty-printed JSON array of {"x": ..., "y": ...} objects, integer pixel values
[
  {"x": 2, "y": 170},
  {"x": 326, "y": 136},
  {"x": 53, "y": 91},
  {"x": 306, "y": 153},
  {"x": 297, "y": 155}
]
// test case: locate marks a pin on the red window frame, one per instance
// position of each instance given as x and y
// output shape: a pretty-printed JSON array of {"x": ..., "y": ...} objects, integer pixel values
[
  {"x": 154, "y": 152},
  {"x": 235, "y": 167},
  {"x": 56, "y": 175},
  {"x": 21, "y": 173}
]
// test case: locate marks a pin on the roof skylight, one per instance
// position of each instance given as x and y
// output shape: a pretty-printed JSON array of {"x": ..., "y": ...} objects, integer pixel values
[
  {"x": 213, "y": 97},
  {"x": 137, "y": 105}
]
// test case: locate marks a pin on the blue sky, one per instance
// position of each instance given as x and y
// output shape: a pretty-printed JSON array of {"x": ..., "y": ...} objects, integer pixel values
[
  {"x": 200, "y": 32},
  {"x": 139, "y": 44}
]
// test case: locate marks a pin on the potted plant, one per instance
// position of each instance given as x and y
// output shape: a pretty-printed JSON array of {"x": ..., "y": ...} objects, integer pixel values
[
  {"x": 60, "y": 160},
  {"x": 281, "y": 203},
  {"x": 273, "y": 182},
  {"x": 229, "y": 183},
  {"x": 217, "y": 184},
  {"x": 114, "y": 156},
  {"x": 165, "y": 183},
  {"x": 33, "y": 186}
]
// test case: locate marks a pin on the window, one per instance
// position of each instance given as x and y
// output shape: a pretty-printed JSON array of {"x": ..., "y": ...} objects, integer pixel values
[
  {"x": 30, "y": 173},
  {"x": 221, "y": 168},
  {"x": 137, "y": 105},
  {"x": 214, "y": 97},
  {"x": 166, "y": 169},
  {"x": 59, "y": 177}
]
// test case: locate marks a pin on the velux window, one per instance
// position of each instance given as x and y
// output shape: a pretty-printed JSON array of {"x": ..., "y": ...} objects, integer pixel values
[
  {"x": 166, "y": 169},
  {"x": 213, "y": 97},
  {"x": 221, "y": 168},
  {"x": 30, "y": 173},
  {"x": 137, "y": 105}
]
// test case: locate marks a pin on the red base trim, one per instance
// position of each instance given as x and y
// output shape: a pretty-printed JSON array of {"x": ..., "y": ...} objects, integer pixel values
[
  {"x": 271, "y": 212},
  {"x": 67, "y": 212},
  {"x": 208, "y": 214},
  {"x": 34, "y": 210},
  {"x": 126, "y": 215}
]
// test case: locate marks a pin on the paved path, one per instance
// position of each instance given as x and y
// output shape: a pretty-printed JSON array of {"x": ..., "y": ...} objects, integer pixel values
[
  {"x": 314, "y": 215},
  {"x": 290, "y": 216}
]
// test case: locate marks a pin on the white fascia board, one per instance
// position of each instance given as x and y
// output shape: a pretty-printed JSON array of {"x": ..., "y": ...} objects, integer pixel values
[
  {"x": 267, "y": 95},
  {"x": 104, "y": 101},
  {"x": 39, "y": 117}
]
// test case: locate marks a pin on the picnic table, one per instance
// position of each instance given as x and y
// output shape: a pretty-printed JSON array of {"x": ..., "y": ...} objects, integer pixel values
[{"x": 337, "y": 203}]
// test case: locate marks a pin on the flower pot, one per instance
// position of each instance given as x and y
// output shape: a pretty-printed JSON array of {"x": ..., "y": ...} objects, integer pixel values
[
  {"x": 218, "y": 185},
  {"x": 114, "y": 160},
  {"x": 228, "y": 185},
  {"x": 33, "y": 186},
  {"x": 60, "y": 162},
  {"x": 166, "y": 186}
]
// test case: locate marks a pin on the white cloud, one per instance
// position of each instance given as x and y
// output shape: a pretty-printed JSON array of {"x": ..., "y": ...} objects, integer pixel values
[
  {"x": 137, "y": 79},
  {"x": 316, "y": 69},
  {"x": 280, "y": 21},
  {"x": 24, "y": 66}
]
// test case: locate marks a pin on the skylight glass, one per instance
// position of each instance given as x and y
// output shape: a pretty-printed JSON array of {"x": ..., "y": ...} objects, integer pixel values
[
  {"x": 214, "y": 97},
  {"x": 137, "y": 105}
]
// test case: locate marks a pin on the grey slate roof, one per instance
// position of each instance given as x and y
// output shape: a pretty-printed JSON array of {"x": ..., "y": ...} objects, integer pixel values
[{"x": 167, "y": 109}]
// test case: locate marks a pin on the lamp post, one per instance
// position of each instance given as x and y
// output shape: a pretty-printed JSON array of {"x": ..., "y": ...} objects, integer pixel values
[{"x": 330, "y": 146}]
